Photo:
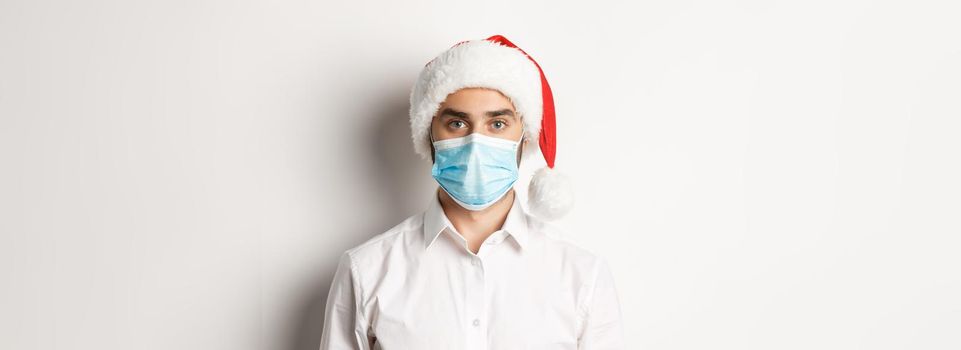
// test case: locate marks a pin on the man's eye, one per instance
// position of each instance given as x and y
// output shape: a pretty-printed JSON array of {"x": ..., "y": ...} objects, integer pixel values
[
  {"x": 457, "y": 124},
  {"x": 499, "y": 124}
]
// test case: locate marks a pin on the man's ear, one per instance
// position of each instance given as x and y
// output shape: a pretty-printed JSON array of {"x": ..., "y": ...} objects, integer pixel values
[
  {"x": 520, "y": 152},
  {"x": 430, "y": 135}
]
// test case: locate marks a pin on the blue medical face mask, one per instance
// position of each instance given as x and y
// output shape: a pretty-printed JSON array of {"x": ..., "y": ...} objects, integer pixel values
[{"x": 475, "y": 170}]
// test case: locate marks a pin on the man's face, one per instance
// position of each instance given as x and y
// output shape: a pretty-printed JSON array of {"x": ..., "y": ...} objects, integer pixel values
[{"x": 480, "y": 110}]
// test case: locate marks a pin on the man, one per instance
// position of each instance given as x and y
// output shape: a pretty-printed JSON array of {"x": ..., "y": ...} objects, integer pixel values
[{"x": 475, "y": 270}]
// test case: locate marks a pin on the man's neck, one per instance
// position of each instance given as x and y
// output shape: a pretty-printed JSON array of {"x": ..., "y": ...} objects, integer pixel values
[{"x": 476, "y": 225}]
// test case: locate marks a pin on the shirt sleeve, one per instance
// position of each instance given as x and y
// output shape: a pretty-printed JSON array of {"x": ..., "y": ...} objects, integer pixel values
[
  {"x": 345, "y": 327},
  {"x": 603, "y": 329}
]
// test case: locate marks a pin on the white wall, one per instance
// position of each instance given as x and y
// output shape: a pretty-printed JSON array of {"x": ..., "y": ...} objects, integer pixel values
[{"x": 761, "y": 175}]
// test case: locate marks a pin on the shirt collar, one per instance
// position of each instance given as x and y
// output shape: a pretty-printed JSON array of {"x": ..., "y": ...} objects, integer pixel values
[{"x": 435, "y": 221}]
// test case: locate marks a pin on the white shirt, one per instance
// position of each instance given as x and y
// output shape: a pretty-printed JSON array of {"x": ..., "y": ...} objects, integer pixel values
[{"x": 417, "y": 286}]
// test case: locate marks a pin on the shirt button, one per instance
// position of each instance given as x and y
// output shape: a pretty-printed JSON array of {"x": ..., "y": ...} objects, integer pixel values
[
  {"x": 475, "y": 261},
  {"x": 476, "y": 322}
]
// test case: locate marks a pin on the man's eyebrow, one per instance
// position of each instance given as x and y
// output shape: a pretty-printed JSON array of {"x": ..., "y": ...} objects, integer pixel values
[
  {"x": 505, "y": 111},
  {"x": 453, "y": 113},
  {"x": 459, "y": 114}
]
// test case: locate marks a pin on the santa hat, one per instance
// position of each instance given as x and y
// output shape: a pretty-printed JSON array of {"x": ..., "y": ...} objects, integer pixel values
[{"x": 498, "y": 64}]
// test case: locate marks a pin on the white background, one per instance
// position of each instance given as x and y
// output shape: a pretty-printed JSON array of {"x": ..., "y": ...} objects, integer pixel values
[{"x": 760, "y": 174}]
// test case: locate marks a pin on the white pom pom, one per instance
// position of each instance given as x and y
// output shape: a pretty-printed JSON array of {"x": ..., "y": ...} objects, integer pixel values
[{"x": 549, "y": 196}]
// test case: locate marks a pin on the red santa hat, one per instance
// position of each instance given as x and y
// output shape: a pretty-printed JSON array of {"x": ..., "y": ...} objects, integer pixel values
[{"x": 498, "y": 64}]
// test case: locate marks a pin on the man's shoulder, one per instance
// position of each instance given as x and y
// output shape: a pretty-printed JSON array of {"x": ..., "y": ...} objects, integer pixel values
[
  {"x": 374, "y": 249},
  {"x": 561, "y": 242}
]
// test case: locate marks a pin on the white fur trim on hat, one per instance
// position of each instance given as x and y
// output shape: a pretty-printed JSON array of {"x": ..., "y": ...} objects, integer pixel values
[{"x": 477, "y": 63}]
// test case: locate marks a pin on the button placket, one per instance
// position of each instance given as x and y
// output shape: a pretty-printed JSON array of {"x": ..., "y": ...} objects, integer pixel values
[{"x": 476, "y": 291}]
